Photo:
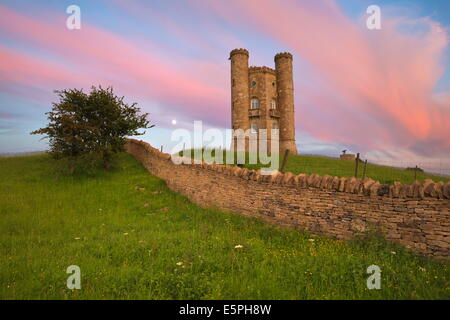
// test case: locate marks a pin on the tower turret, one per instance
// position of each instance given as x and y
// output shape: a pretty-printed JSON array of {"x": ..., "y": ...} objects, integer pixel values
[
  {"x": 240, "y": 101},
  {"x": 285, "y": 97}
]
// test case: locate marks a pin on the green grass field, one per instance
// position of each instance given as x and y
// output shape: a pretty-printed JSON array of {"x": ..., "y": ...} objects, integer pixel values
[
  {"x": 151, "y": 243},
  {"x": 342, "y": 168}
]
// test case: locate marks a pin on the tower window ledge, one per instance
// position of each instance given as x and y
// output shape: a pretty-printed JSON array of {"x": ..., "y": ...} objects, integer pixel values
[
  {"x": 274, "y": 113},
  {"x": 253, "y": 113}
]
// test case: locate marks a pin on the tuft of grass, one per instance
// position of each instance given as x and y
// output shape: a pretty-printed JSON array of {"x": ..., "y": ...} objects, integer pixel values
[
  {"x": 133, "y": 238},
  {"x": 322, "y": 165}
]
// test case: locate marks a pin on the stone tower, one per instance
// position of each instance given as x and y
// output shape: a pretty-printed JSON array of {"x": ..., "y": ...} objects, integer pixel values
[{"x": 263, "y": 98}]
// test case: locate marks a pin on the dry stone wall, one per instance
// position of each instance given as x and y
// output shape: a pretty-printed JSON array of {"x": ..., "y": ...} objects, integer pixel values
[{"x": 416, "y": 215}]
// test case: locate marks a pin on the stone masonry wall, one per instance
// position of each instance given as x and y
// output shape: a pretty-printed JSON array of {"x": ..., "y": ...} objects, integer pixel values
[{"x": 416, "y": 216}]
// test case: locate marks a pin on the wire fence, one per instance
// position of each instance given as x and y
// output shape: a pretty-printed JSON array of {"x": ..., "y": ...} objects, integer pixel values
[{"x": 383, "y": 170}]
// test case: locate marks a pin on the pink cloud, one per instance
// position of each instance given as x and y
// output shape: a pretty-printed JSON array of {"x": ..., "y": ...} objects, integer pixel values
[
  {"x": 24, "y": 69},
  {"x": 101, "y": 55}
]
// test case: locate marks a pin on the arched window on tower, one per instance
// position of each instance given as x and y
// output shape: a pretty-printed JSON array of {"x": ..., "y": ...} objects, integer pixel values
[
  {"x": 254, "y": 104},
  {"x": 273, "y": 104},
  {"x": 254, "y": 128}
]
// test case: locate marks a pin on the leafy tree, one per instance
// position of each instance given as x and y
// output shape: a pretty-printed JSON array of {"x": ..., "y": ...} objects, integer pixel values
[{"x": 91, "y": 126}]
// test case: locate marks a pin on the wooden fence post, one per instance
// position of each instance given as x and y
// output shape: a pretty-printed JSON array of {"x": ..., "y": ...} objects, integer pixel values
[
  {"x": 283, "y": 164},
  {"x": 364, "y": 171},
  {"x": 356, "y": 165}
]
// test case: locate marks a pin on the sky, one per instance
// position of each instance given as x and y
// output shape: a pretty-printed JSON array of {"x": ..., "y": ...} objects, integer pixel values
[{"x": 383, "y": 93}]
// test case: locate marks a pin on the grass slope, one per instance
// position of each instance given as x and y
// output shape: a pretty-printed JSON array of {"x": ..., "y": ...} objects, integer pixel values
[
  {"x": 151, "y": 243},
  {"x": 342, "y": 168}
]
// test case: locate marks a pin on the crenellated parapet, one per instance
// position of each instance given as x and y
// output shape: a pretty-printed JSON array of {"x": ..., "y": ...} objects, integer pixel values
[
  {"x": 239, "y": 51},
  {"x": 283, "y": 55},
  {"x": 262, "y": 69}
]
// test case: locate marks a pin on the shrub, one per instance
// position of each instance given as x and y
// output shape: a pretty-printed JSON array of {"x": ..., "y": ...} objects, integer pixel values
[{"x": 90, "y": 128}]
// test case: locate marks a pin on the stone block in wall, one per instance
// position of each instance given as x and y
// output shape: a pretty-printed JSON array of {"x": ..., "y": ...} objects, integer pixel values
[
  {"x": 394, "y": 234},
  {"x": 296, "y": 180},
  {"x": 427, "y": 182},
  {"x": 310, "y": 180},
  {"x": 446, "y": 190},
  {"x": 358, "y": 187},
  {"x": 342, "y": 182},
  {"x": 429, "y": 190},
  {"x": 264, "y": 177},
  {"x": 391, "y": 191},
  {"x": 409, "y": 191},
  {"x": 324, "y": 183},
  {"x": 316, "y": 181},
  {"x": 228, "y": 170},
  {"x": 438, "y": 189},
  {"x": 383, "y": 190},
  {"x": 165, "y": 156},
  {"x": 374, "y": 189},
  {"x": 350, "y": 185},
  {"x": 279, "y": 178},
  {"x": 236, "y": 171},
  {"x": 288, "y": 177},
  {"x": 420, "y": 246},
  {"x": 403, "y": 193},
  {"x": 330, "y": 183},
  {"x": 396, "y": 189},
  {"x": 251, "y": 175},
  {"x": 335, "y": 183},
  {"x": 358, "y": 225},
  {"x": 272, "y": 178},
  {"x": 244, "y": 173},
  {"x": 303, "y": 180},
  {"x": 416, "y": 189}
]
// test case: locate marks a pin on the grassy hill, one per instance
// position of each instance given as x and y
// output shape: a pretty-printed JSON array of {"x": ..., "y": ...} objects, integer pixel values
[
  {"x": 322, "y": 165},
  {"x": 134, "y": 238}
]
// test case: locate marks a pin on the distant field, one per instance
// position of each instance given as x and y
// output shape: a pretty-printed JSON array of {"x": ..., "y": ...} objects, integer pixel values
[
  {"x": 343, "y": 168},
  {"x": 133, "y": 238},
  {"x": 20, "y": 154}
]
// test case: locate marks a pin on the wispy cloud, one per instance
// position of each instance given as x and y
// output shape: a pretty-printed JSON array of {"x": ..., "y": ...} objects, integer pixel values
[{"x": 109, "y": 59}]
